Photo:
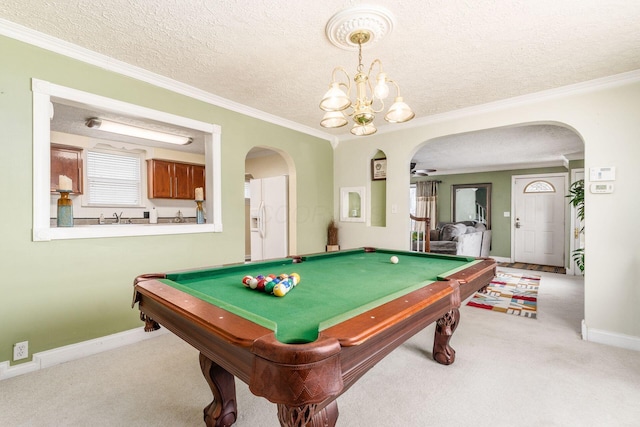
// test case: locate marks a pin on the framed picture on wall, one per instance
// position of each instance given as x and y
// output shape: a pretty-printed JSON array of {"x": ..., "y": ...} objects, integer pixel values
[{"x": 378, "y": 169}]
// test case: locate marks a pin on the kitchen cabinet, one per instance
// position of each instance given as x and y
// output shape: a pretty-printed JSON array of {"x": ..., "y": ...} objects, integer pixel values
[
  {"x": 199, "y": 178},
  {"x": 173, "y": 180},
  {"x": 66, "y": 161}
]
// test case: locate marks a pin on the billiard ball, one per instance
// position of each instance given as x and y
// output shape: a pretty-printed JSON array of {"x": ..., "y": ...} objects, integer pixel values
[
  {"x": 253, "y": 283},
  {"x": 295, "y": 277},
  {"x": 282, "y": 288},
  {"x": 268, "y": 287},
  {"x": 246, "y": 280},
  {"x": 394, "y": 259}
]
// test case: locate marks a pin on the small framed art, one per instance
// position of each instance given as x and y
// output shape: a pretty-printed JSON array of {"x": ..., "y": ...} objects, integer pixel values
[{"x": 378, "y": 169}]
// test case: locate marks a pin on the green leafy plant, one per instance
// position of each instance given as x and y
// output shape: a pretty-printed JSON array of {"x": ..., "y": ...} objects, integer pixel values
[{"x": 576, "y": 199}]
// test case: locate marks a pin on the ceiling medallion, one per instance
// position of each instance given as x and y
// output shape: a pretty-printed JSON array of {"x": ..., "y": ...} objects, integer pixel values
[
  {"x": 353, "y": 29},
  {"x": 376, "y": 21}
]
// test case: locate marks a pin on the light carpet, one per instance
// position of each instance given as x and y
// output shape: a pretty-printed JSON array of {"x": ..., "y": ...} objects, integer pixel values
[
  {"x": 508, "y": 372},
  {"x": 510, "y": 293}
]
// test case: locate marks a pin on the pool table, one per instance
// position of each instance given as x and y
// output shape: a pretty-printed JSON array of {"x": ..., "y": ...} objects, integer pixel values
[{"x": 301, "y": 351}]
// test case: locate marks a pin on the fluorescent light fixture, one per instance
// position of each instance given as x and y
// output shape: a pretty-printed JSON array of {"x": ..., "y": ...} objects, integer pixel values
[{"x": 137, "y": 132}]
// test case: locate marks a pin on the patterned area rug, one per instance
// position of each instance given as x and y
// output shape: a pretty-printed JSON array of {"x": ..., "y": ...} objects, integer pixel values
[{"x": 511, "y": 293}]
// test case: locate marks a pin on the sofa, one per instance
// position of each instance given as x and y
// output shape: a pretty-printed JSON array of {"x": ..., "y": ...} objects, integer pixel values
[{"x": 468, "y": 238}]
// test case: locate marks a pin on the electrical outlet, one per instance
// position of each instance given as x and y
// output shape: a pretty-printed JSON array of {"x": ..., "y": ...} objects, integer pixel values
[{"x": 21, "y": 350}]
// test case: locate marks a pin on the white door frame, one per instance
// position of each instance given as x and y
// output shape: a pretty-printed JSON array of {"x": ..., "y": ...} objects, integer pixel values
[
  {"x": 513, "y": 208},
  {"x": 573, "y": 269}
]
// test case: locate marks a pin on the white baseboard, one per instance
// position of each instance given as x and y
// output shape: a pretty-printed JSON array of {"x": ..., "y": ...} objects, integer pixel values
[
  {"x": 501, "y": 259},
  {"x": 71, "y": 352},
  {"x": 610, "y": 338}
]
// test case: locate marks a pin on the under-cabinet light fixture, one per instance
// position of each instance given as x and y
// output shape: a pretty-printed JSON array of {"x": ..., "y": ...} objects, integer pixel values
[{"x": 137, "y": 132}]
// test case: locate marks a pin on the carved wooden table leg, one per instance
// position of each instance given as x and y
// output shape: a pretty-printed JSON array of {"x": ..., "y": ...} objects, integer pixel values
[
  {"x": 150, "y": 325},
  {"x": 306, "y": 416},
  {"x": 223, "y": 411},
  {"x": 445, "y": 326}
]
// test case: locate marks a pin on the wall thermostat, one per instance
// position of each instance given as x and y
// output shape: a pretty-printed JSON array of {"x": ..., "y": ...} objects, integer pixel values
[{"x": 603, "y": 188}]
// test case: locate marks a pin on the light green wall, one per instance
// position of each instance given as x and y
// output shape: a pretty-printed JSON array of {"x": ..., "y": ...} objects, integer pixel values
[
  {"x": 378, "y": 200},
  {"x": 67, "y": 291},
  {"x": 605, "y": 117},
  {"x": 500, "y": 201}
]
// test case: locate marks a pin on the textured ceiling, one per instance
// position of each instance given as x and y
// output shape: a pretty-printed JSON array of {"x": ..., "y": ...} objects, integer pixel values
[
  {"x": 500, "y": 149},
  {"x": 274, "y": 56}
]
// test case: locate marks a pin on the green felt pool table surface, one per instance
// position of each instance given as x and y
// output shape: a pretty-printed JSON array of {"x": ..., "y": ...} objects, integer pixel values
[
  {"x": 301, "y": 351},
  {"x": 333, "y": 287}
]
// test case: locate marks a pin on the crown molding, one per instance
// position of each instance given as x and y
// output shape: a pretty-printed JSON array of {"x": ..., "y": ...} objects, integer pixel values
[
  {"x": 559, "y": 92},
  {"x": 573, "y": 89},
  {"x": 53, "y": 44},
  {"x": 500, "y": 168}
]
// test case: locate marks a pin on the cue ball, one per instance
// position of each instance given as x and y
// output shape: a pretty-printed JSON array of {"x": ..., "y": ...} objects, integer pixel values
[{"x": 394, "y": 259}]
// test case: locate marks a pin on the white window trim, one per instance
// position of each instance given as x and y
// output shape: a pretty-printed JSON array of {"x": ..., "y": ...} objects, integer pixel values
[{"x": 42, "y": 231}]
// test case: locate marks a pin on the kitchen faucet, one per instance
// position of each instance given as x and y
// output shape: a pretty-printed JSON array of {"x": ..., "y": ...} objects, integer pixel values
[{"x": 118, "y": 217}]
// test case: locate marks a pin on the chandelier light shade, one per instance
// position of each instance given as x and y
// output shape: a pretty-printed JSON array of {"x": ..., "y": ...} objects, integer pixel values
[
  {"x": 137, "y": 132},
  {"x": 352, "y": 28},
  {"x": 399, "y": 112},
  {"x": 335, "y": 99},
  {"x": 333, "y": 119}
]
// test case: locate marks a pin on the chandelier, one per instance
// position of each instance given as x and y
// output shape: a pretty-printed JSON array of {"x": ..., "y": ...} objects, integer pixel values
[{"x": 354, "y": 28}]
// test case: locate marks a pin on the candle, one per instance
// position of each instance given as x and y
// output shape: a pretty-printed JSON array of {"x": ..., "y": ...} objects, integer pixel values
[
  {"x": 199, "y": 193},
  {"x": 64, "y": 183}
]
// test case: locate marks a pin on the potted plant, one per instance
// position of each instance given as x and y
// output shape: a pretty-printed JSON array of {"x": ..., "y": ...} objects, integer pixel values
[
  {"x": 576, "y": 199},
  {"x": 332, "y": 237}
]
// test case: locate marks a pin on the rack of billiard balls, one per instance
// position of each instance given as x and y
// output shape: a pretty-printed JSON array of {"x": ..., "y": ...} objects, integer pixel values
[{"x": 271, "y": 284}]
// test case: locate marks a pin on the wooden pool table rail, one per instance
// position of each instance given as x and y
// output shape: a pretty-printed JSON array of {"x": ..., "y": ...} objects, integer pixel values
[{"x": 304, "y": 380}]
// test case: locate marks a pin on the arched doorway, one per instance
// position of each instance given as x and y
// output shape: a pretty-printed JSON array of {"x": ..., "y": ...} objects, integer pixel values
[
  {"x": 495, "y": 155},
  {"x": 270, "y": 176}
]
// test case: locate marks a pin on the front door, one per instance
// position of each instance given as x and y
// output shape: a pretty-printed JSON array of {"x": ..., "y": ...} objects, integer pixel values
[{"x": 539, "y": 219}]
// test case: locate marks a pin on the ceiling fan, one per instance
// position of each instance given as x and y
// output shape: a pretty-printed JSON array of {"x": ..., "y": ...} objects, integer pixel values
[{"x": 415, "y": 173}]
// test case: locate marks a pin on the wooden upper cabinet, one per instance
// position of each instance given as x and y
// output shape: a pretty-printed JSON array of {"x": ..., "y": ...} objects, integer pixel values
[
  {"x": 173, "y": 180},
  {"x": 66, "y": 161},
  {"x": 199, "y": 179},
  {"x": 159, "y": 179},
  {"x": 183, "y": 185}
]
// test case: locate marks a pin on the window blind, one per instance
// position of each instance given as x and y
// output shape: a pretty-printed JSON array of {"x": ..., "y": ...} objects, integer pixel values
[{"x": 113, "y": 178}]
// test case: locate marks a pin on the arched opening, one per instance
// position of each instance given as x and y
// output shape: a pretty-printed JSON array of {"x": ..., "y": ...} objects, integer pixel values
[
  {"x": 270, "y": 204},
  {"x": 494, "y": 156}
]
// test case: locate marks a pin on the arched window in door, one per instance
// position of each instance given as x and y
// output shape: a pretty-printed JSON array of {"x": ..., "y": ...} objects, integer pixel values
[{"x": 540, "y": 187}]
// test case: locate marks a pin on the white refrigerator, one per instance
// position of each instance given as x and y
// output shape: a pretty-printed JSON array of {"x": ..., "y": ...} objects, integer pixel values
[{"x": 269, "y": 218}]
